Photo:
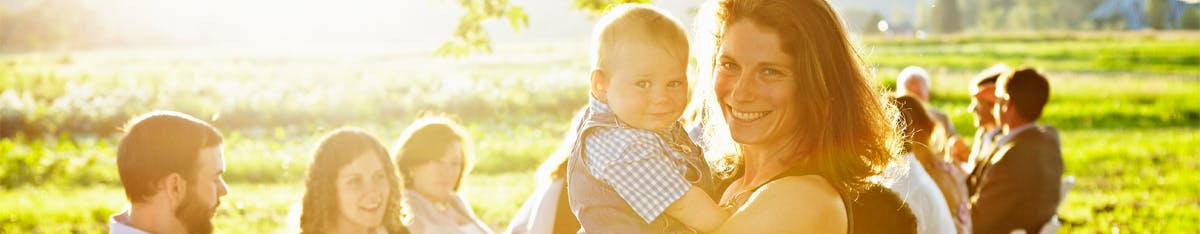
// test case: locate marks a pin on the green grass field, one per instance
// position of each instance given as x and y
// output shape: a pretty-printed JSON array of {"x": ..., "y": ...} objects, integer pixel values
[{"x": 1125, "y": 105}]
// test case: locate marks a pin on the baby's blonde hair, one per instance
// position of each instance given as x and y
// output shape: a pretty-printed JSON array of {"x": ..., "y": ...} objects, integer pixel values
[{"x": 629, "y": 23}]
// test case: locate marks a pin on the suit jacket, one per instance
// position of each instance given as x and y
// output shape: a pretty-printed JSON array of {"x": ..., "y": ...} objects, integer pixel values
[
  {"x": 1018, "y": 185},
  {"x": 981, "y": 149}
]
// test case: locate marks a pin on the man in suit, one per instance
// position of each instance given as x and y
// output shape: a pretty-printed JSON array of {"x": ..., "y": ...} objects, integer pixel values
[
  {"x": 983, "y": 98},
  {"x": 1017, "y": 186}
]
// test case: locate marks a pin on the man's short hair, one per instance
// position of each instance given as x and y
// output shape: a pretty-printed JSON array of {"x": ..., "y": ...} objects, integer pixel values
[
  {"x": 1027, "y": 90},
  {"x": 157, "y": 144},
  {"x": 988, "y": 76}
]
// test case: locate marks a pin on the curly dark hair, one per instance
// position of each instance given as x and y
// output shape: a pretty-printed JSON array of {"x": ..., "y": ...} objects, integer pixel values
[{"x": 336, "y": 150}]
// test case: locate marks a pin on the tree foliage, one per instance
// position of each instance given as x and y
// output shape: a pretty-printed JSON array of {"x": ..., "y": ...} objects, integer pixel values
[
  {"x": 471, "y": 37},
  {"x": 946, "y": 17},
  {"x": 44, "y": 25}
]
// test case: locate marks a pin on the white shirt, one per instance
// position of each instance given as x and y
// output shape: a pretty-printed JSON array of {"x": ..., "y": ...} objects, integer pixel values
[
  {"x": 117, "y": 224},
  {"x": 989, "y": 135},
  {"x": 986, "y": 144},
  {"x": 424, "y": 218},
  {"x": 1013, "y": 133},
  {"x": 537, "y": 214},
  {"x": 922, "y": 195}
]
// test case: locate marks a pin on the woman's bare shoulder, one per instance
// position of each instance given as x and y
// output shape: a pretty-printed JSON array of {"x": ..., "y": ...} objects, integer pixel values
[
  {"x": 791, "y": 204},
  {"x": 818, "y": 193}
]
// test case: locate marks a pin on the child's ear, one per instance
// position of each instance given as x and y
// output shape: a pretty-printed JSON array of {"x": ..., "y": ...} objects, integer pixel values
[{"x": 599, "y": 85}]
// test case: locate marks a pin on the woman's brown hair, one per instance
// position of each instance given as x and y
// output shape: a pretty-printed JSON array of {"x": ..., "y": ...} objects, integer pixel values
[
  {"x": 915, "y": 124},
  {"x": 334, "y": 151},
  {"x": 427, "y": 139},
  {"x": 849, "y": 132}
]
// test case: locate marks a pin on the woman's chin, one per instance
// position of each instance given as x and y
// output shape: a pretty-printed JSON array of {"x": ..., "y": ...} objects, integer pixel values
[
  {"x": 747, "y": 138},
  {"x": 748, "y": 132}
]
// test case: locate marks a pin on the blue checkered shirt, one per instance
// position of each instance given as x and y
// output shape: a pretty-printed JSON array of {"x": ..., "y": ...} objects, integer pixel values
[{"x": 641, "y": 166}]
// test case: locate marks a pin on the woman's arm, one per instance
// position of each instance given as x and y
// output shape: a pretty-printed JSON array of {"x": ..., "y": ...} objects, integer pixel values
[
  {"x": 806, "y": 204},
  {"x": 695, "y": 209}
]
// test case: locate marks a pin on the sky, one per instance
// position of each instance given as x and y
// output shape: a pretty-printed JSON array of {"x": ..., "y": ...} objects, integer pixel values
[{"x": 287, "y": 23}]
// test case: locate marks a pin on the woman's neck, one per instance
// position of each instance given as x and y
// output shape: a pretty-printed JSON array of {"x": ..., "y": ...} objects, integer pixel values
[
  {"x": 765, "y": 161},
  {"x": 443, "y": 199},
  {"x": 344, "y": 225}
]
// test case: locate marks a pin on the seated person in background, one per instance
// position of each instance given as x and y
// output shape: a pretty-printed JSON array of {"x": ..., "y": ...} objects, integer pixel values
[
  {"x": 434, "y": 156},
  {"x": 633, "y": 168},
  {"x": 351, "y": 187},
  {"x": 926, "y": 171},
  {"x": 547, "y": 209},
  {"x": 1017, "y": 186},
  {"x": 983, "y": 98},
  {"x": 170, "y": 165},
  {"x": 914, "y": 81}
]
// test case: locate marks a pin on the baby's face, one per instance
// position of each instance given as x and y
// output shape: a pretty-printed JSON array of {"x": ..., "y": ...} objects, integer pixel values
[{"x": 647, "y": 87}]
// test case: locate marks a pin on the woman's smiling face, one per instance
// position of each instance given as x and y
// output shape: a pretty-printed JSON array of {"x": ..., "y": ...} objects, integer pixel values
[
  {"x": 362, "y": 191},
  {"x": 755, "y": 84}
]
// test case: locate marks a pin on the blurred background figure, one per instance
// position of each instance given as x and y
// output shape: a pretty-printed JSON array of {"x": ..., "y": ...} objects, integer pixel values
[
  {"x": 945, "y": 209},
  {"x": 352, "y": 187},
  {"x": 915, "y": 81},
  {"x": 435, "y": 155},
  {"x": 547, "y": 209},
  {"x": 170, "y": 165},
  {"x": 1018, "y": 185},
  {"x": 983, "y": 98}
]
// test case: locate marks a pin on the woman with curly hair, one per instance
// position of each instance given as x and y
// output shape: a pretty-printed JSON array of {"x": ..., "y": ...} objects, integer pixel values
[{"x": 352, "y": 187}]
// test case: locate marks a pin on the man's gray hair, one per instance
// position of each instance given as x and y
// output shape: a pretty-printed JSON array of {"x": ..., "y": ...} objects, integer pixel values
[{"x": 910, "y": 74}]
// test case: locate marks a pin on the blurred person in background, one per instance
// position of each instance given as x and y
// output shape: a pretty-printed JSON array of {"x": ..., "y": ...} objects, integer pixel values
[
  {"x": 170, "y": 165},
  {"x": 434, "y": 155},
  {"x": 948, "y": 195},
  {"x": 1018, "y": 184},
  {"x": 547, "y": 209},
  {"x": 983, "y": 98},
  {"x": 351, "y": 187},
  {"x": 915, "y": 81}
]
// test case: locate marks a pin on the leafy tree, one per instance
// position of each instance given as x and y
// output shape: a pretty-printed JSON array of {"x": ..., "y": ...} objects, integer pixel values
[
  {"x": 470, "y": 37},
  {"x": 1191, "y": 19},
  {"x": 946, "y": 18},
  {"x": 44, "y": 25},
  {"x": 1156, "y": 12},
  {"x": 871, "y": 27}
]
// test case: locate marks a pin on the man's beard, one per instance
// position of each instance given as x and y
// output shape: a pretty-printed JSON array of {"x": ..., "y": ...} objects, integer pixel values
[{"x": 196, "y": 218}]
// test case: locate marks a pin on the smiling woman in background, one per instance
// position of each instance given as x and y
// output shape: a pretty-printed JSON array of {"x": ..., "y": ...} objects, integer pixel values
[
  {"x": 434, "y": 155},
  {"x": 351, "y": 187}
]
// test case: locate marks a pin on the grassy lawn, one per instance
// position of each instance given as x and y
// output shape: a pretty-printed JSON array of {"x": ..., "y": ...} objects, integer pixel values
[{"x": 249, "y": 208}]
